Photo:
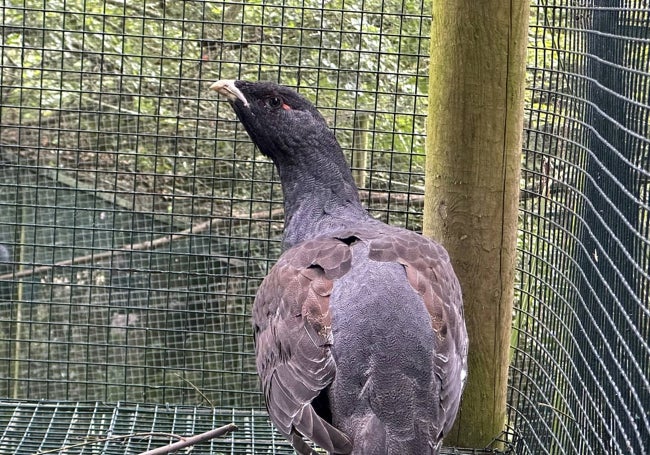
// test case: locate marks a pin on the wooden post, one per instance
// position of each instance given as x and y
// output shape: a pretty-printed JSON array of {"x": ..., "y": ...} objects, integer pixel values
[
  {"x": 360, "y": 149},
  {"x": 476, "y": 93}
]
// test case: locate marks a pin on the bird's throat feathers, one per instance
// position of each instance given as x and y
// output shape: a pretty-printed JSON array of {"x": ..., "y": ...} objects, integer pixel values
[
  {"x": 317, "y": 203},
  {"x": 317, "y": 184}
]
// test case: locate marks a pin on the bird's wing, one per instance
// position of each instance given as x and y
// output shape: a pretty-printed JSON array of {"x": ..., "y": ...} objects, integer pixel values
[
  {"x": 292, "y": 325},
  {"x": 429, "y": 272}
]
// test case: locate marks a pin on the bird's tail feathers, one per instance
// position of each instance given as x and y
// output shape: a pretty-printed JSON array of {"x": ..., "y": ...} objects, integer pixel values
[
  {"x": 373, "y": 437},
  {"x": 312, "y": 426},
  {"x": 370, "y": 437}
]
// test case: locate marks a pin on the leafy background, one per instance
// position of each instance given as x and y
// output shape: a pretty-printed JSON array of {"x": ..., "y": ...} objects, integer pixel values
[{"x": 111, "y": 139}]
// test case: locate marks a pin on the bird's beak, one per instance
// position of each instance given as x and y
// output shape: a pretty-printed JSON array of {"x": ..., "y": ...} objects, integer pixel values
[{"x": 228, "y": 89}]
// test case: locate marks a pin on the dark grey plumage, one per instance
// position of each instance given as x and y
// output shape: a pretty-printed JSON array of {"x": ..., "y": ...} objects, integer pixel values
[{"x": 360, "y": 339}]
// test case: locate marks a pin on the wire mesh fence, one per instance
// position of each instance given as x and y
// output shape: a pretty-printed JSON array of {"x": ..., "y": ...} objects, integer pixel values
[
  {"x": 581, "y": 360},
  {"x": 136, "y": 219}
]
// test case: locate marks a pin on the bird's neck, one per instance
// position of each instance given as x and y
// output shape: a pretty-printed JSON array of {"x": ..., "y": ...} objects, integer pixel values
[{"x": 320, "y": 196}]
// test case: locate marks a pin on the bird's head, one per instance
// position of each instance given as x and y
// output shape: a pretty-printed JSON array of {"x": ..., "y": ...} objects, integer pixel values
[
  {"x": 279, "y": 120},
  {"x": 319, "y": 191}
]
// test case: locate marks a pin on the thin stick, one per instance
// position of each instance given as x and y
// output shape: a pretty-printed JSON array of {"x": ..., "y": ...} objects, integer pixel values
[
  {"x": 147, "y": 245},
  {"x": 192, "y": 440},
  {"x": 204, "y": 396},
  {"x": 373, "y": 197},
  {"x": 91, "y": 441}
]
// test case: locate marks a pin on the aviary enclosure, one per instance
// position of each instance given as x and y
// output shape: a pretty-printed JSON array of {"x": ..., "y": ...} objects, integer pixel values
[{"x": 136, "y": 219}]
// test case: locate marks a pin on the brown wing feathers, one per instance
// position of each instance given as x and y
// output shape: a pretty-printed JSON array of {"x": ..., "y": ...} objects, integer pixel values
[{"x": 293, "y": 328}]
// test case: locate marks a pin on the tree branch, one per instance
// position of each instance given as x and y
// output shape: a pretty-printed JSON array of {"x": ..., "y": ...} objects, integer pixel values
[
  {"x": 147, "y": 245},
  {"x": 183, "y": 441},
  {"x": 277, "y": 214},
  {"x": 192, "y": 440}
]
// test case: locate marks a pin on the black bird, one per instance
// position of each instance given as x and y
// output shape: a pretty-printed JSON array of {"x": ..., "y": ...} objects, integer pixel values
[{"x": 359, "y": 332}]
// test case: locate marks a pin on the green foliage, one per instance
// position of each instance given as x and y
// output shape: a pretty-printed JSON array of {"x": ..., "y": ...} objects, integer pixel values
[
  {"x": 130, "y": 79},
  {"x": 109, "y": 102}
]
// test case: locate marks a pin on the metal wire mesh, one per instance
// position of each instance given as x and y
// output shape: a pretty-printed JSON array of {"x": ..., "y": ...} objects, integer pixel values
[
  {"x": 128, "y": 428},
  {"x": 131, "y": 428},
  {"x": 136, "y": 220},
  {"x": 581, "y": 361}
]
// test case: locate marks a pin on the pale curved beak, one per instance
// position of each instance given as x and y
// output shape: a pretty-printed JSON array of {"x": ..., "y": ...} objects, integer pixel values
[{"x": 227, "y": 88}]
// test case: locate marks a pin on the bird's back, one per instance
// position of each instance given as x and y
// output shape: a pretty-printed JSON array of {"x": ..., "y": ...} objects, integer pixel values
[
  {"x": 386, "y": 394},
  {"x": 361, "y": 344}
]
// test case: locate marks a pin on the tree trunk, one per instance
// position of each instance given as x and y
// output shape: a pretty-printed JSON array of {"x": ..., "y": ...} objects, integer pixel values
[{"x": 476, "y": 93}]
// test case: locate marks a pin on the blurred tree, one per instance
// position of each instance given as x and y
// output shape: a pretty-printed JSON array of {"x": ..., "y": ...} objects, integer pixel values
[
  {"x": 6, "y": 266},
  {"x": 124, "y": 81}
]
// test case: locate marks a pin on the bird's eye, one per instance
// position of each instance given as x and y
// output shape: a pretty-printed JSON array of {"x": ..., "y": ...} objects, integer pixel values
[{"x": 274, "y": 102}]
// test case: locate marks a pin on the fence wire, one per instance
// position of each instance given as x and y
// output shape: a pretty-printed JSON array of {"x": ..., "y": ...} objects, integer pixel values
[
  {"x": 581, "y": 359},
  {"x": 136, "y": 219}
]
